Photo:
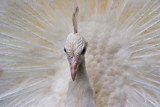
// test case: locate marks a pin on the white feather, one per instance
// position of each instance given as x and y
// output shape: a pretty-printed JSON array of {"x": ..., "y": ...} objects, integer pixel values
[{"x": 122, "y": 59}]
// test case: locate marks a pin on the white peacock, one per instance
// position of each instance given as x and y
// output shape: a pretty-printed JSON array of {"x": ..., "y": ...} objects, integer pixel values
[{"x": 122, "y": 56}]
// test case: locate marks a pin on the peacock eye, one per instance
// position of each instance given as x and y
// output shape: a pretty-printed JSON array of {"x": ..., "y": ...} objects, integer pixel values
[
  {"x": 84, "y": 50},
  {"x": 65, "y": 50}
]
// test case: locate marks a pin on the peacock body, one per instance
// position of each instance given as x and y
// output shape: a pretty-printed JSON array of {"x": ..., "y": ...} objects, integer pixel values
[{"x": 122, "y": 57}]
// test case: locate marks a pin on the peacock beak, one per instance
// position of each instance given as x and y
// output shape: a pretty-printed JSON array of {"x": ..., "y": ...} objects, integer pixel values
[{"x": 73, "y": 67}]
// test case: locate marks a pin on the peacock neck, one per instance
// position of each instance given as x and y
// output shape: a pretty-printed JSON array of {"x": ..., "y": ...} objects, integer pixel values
[{"x": 80, "y": 93}]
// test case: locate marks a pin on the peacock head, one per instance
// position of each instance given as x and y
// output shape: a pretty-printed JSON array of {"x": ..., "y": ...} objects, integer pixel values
[{"x": 75, "y": 49}]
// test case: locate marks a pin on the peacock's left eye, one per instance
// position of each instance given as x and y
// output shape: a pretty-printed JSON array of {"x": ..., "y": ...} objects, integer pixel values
[
  {"x": 65, "y": 50},
  {"x": 84, "y": 50}
]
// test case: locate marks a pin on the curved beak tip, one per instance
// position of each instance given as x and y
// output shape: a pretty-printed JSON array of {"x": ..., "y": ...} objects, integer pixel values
[
  {"x": 73, "y": 72},
  {"x": 73, "y": 75}
]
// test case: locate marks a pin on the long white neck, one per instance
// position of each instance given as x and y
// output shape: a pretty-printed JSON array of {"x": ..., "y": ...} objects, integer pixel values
[{"x": 80, "y": 93}]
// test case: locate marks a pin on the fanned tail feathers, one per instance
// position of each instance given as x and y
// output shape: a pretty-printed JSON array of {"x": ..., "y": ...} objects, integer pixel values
[{"x": 122, "y": 59}]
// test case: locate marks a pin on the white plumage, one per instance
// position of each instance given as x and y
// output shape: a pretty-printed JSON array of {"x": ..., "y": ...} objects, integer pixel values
[{"x": 122, "y": 58}]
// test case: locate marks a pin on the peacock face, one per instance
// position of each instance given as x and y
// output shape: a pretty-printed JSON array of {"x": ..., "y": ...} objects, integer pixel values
[{"x": 75, "y": 49}]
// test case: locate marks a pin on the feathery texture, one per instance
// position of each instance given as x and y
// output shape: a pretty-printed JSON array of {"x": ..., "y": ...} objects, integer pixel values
[{"x": 122, "y": 59}]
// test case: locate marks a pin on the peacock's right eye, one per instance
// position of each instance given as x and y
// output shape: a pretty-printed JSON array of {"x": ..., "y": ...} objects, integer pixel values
[{"x": 65, "y": 50}]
